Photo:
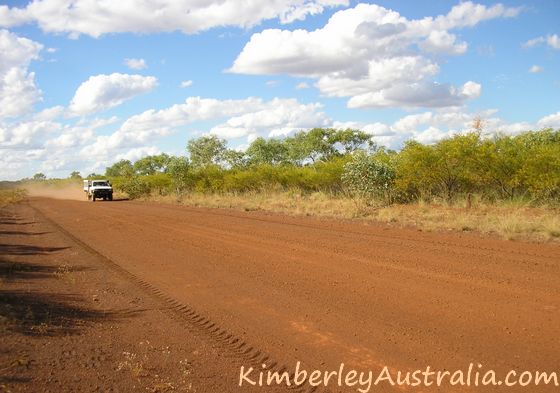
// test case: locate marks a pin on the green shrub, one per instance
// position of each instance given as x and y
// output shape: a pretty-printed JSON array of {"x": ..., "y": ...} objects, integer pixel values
[
  {"x": 135, "y": 186},
  {"x": 369, "y": 178}
]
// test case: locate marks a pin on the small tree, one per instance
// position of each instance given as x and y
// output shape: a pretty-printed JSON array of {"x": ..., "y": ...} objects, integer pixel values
[
  {"x": 369, "y": 178},
  {"x": 272, "y": 152},
  {"x": 350, "y": 140},
  {"x": 151, "y": 164},
  {"x": 314, "y": 145},
  {"x": 122, "y": 168},
  {"x": 39, "y": 176},
  {"x": 75, "y": 175},
  {"x": 206, "y": 150},
  {"x": 136, "y": 187},
  {"x": 443, "y": 169},
  {"x": 178, "y": 168},
  {"x": 500, "y": 165},
  {"x": 235, "y": 159}
]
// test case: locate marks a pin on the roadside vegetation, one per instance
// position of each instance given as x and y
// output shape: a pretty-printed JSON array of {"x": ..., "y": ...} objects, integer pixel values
[
  {"x": 11, "y": 195},
  {"x": 508, "y": 185}
]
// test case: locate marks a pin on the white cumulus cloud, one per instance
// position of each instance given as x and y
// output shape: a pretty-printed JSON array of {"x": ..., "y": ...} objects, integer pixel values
[
  {"x": 18, "y": 91},
  {"x": 192, "y": 110},
  {"x": 431, "y": 95},
  {"x": 135, "y": 64},
  {"x": 96, "y": 18},
  {"x": 27, "y": 134},
  {"x": 550, "y": 121},
  {"x": 535, "y": 69},
  {"x": 45, "y": 144},
  {"x": 244, "y": 117},
  {"x": 187, "y": 83},
  {"x": 137, "y": 153},
  {"x": 278, "y": 117},
  {"x": 102, "y": 92},
  {"x": 372, "y": 54},
  {"x": 432, "y": 126},
  {"x": 552, "y": 40},
  {"x": 440, "y": 41},
  {"x": 533, "y": 42}
]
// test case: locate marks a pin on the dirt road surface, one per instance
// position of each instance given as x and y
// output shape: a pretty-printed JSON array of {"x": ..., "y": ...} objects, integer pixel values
[{"x": 276, "y": 290}]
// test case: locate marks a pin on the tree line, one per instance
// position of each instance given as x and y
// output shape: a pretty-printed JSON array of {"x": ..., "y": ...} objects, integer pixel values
[{"x": 348, "y": 162}]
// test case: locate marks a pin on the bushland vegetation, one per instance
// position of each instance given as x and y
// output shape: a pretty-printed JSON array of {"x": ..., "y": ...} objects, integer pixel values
[
  {"x": 504, "y": 184},
  {"x": 347, "y": 163}
]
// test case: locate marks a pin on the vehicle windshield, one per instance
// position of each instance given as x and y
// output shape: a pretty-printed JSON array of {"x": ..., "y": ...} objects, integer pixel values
[{"x": 101, "y": 183}]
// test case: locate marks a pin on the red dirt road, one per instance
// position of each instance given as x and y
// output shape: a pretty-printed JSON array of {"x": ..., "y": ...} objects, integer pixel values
[{"x": 326, "y": 292}]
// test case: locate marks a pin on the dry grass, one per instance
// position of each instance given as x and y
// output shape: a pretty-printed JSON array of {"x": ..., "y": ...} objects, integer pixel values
[
  {"x": 10, "y": 196},
  {"x": 509, "y": 221},
  {"x": 295, "y": 203}
]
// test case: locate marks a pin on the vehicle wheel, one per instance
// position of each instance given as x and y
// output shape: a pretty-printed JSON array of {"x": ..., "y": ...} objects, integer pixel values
[
  {"x": 111, "y": 197},
  {"x": 104, "y": 198}
]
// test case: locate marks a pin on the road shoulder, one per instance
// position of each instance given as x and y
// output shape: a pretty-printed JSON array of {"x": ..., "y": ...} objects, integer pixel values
[{"x": 70, "y": 323}]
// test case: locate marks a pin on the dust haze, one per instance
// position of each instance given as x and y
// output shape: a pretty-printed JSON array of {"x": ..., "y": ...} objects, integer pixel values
[{"x": 73, "y": 192}]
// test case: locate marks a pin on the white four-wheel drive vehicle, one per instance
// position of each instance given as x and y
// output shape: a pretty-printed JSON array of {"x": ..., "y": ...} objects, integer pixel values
[{"x": 96, "y": 189}]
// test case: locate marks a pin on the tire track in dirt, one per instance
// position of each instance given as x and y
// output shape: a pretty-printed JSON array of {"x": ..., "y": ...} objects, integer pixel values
[
  {"x": 344, "y": 288},
  {"x": 231, "y": 345}
]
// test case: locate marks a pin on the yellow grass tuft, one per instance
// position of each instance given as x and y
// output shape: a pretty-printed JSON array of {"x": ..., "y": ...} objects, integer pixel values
[{"x": 10, "y": 196}]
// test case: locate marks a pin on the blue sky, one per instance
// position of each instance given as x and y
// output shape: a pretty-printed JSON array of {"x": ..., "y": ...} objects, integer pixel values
[{"x": 83, "y": 84}]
